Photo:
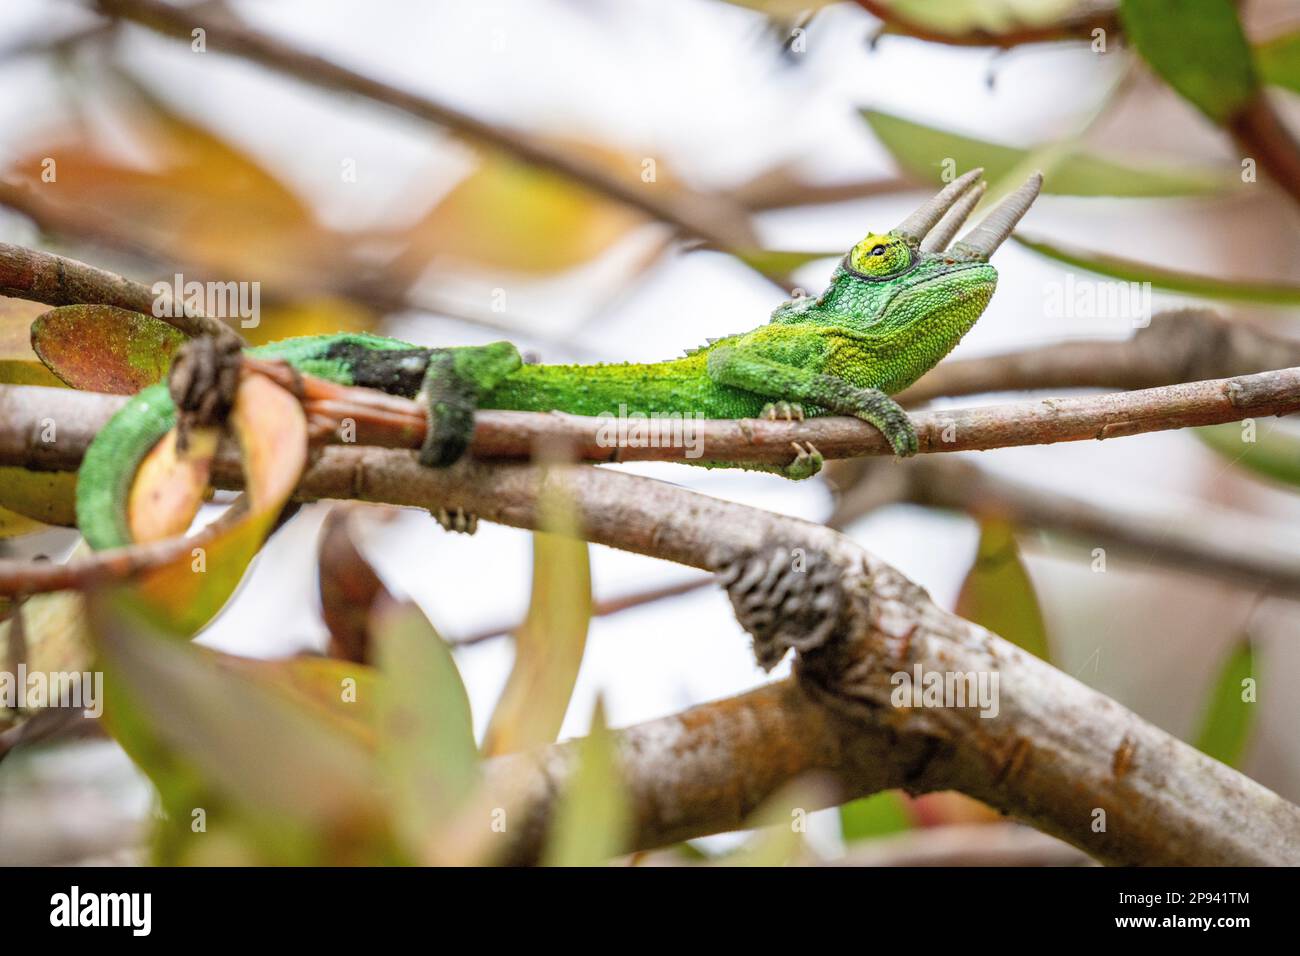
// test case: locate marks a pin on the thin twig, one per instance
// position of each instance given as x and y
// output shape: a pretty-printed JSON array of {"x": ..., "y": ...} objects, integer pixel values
[
  {"x": 711, "y": 218},
  {"x": 604, "y": 608},
  {"x": 1180, "y": 345},
  {"x": 1229, "y": 546},
  {"x": 514, "y": 436},
  {"x": 55, "y": 280}
]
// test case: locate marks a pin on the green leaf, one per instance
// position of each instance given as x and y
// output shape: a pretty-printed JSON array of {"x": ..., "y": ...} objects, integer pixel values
[
  {"x": 1129, "y": 270},
  {"x": 1199, "y": 49},
  {"x": 427, "y": 752},
  {"x": 921, "y": 150},
  {"x": 877, "y": 815},
  {"x": 549, "y": 646},
  {"x": 1230, "y": 709},
  {"x": 100, "y": 348},
  {"x": 197, "y": 728},
  {"x": 592, "y": 822},
  {"x": 998, "y": 593},
  {"x": 780, "y": 824},
  {"x": 1273, "y": 452},
  {"x": 991, "y": 17},
  {"x": 1278, "y": 61}
]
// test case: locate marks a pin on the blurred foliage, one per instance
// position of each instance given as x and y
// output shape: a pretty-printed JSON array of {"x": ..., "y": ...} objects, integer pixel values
[
  {"x": 428, "y": 760},
  {"x": 512, "y": 216},
  {"x": 1278, "y": 61},
  {"x": 998, "y": 593},
  {"x": 44, "y": 496},
  {"x": 1127, "y": 270},
  {"x": 550, "y": 643},
  {"x": 880, "y": 814},
  {"x": 19, "y": 363},
  {"x": 920, "y": 150},
  {"x": 1270, "y": 452},
  {"x": 1198, "y": 47},
  {"x": 1229, "y": 712},
  {"x": 591, "y": 822}
]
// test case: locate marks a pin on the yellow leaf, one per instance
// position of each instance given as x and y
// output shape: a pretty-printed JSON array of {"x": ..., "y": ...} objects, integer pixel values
[
  {"x": 19, "y": 365},
  {"x": 509, "y": 215},
  {"x": 272, "y": 433},
  {"x": 549, "y": 645},
  {"x": 168, "y": 490},
  {"x": 45, "y": 496}
]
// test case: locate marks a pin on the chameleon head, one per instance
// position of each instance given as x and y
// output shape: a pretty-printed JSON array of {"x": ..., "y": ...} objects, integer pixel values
[{"x": 911, "y": 280}]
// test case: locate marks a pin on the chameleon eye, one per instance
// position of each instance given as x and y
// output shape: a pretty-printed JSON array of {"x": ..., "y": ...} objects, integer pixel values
[{"x": 879, "y": 257}]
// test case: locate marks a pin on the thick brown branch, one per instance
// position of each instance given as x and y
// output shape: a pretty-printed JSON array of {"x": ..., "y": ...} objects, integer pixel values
[{"x": 1056, "y": 753}]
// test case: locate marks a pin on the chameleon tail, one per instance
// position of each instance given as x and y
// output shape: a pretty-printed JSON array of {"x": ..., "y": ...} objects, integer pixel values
[{"x": 110, "y": 463}]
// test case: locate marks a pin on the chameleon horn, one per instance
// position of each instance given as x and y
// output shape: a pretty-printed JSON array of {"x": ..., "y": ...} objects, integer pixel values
[
  {"x": 983, "y": 240},
  {"x": 916, "y": 225},
  {"x": 952, "y": 220}
]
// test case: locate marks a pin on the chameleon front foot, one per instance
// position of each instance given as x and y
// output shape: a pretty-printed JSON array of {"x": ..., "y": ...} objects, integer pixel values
[
  {"x": 807, "y": 462},
  {"x": 454, "y": 381},
  {"x": 880, "y": 410},
  {"x": 449, "y": 400},
  {"x": 457, "y": 519},
  {"x": 790, "y": 411}
]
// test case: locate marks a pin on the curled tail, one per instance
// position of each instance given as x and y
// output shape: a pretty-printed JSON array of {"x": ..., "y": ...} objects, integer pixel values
[{"x": 104, "y": 480}]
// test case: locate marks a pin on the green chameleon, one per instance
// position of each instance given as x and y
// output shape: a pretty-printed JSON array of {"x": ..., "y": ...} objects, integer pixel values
[{"x": 897, "y": 303}]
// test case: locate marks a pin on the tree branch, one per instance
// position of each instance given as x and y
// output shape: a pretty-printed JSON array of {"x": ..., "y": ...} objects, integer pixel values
[
  {"x": 1260, "y": 133},
  {"x": 1181, "y": 345},
  {"x": 55, "y": 280},
  {"x": 513, "y": 436},
  {"x": 1232, "y": 546},
  {"x": 1056, "y": 753}
]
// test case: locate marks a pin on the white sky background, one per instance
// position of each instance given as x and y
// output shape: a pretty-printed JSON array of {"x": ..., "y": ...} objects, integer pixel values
[{"x": 701, "y": 87}]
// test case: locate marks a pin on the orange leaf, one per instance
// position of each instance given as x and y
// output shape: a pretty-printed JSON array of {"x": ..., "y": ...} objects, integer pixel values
[{"x": 100, "y": 348}]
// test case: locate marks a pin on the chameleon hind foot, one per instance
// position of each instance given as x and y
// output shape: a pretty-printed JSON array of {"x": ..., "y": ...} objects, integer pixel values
[
  {"x": 807, "y": 462},
  {"x": 790, "y": 411},
  {"x": 457, "y": 519}
]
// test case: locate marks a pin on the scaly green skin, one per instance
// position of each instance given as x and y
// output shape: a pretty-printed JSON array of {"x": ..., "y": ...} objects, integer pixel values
[{"x": 889, "y": 314}]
